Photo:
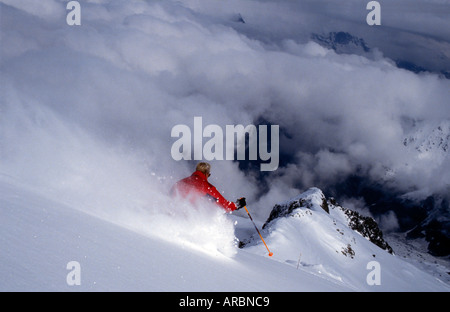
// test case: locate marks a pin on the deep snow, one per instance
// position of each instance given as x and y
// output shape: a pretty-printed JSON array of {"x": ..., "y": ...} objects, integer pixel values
[
  {"x": 40, "y": 235},
  {"x": 85, "y": 120}
]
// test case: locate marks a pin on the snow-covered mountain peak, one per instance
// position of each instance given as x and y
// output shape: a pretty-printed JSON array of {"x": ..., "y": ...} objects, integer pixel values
[
  {"x": 428, "y": 141},
  {"x": 313, "y": 201},
  {"x": 316, "y": 235},
  {"x": 342, "y": 42}
]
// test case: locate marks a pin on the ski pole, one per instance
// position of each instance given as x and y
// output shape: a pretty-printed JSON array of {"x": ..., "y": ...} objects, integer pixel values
[{"x": 270, "y": 253}]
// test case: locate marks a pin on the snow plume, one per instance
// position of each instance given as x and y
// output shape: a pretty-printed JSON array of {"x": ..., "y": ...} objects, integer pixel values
[
  {"x": 87, "y": 111},
  {"x": 204, "y": 227},
  {"x": 63, "y": 161}
]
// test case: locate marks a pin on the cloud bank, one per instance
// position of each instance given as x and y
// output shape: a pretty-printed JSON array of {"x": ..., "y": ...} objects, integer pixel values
[{"x": 87, "y": 111}]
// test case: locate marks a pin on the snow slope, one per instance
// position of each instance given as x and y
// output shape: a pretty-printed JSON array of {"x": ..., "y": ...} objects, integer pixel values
[
  {"x": 86, "y": 115},
  {"x": 40, "y": 235},
  {"x": 323, "y": 243}
]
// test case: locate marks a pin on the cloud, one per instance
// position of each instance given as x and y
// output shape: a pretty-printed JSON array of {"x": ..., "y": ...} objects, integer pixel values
[
  {"x": 389, "y": 222},
  {"x": 49, "y": 9},
  {"x": 102, "y": 98},
  {"x": 411, "y": 30}
]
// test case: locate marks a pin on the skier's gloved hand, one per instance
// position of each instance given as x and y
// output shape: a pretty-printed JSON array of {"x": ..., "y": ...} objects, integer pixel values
[{"x": 240, "y": 203}]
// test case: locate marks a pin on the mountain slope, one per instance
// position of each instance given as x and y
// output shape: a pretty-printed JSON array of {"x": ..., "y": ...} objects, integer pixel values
[
  {"x": 430, "y": 145},
  {"x": 307, "y": 233},
  {"x": 40, "y": 236},
  {"x": 342, "y": 42},
  {"x": 345, "y": 43}
]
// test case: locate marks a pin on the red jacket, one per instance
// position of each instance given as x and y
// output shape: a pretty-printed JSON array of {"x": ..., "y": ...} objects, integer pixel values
[{"x": 197, "y": 185}]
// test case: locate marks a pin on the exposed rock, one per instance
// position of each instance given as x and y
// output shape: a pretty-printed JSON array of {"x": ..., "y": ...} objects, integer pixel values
[
  {"x": 315, "y": 200},
  {"x": 367, "y": 227}
]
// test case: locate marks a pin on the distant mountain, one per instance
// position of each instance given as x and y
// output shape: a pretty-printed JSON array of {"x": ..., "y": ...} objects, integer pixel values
[
  {"x": 429, "y": 141},
  {"x": 431, "y": 213},
  {"x": 346, "y": 43},
  {"x": 435, "y": 228},
  {"x": 342, "y": 43},
  {"x": 433, "y": 143}
]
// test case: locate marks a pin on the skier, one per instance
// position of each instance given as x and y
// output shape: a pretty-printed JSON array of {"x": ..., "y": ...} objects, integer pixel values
[{"x": 197, "y": 186}]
